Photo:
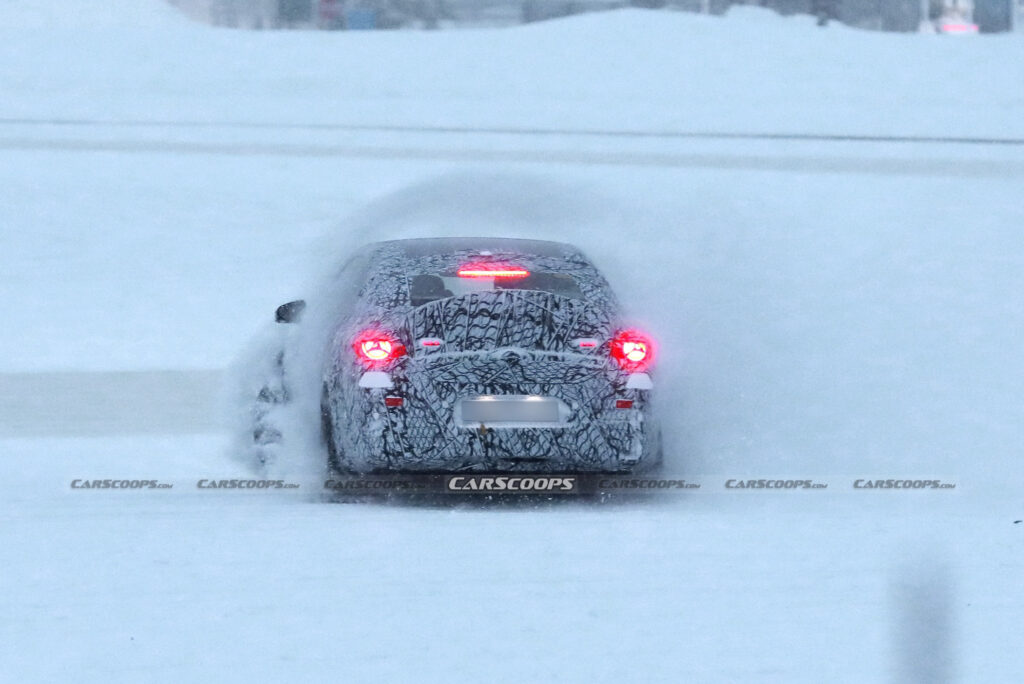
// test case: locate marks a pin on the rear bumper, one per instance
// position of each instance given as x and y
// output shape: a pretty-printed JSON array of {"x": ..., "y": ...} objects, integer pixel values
[
  {"x": 559, "y": 414},
  {"x": 421, "y": 437}
]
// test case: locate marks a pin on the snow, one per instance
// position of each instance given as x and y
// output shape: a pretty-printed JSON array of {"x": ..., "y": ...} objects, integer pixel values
[
  {"x": 826, "y": 310},
  {"x": 635, "y": 69},
  {"x": 88, "y": 15}
]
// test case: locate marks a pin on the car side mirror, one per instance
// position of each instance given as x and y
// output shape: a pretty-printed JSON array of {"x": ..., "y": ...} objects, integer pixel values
[{"x": 290, "y": 312}]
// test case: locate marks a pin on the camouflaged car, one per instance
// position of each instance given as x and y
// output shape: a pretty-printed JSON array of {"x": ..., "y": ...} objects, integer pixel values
[{"x": 482, "y": 354}]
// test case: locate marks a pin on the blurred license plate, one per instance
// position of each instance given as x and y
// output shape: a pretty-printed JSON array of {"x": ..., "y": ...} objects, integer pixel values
[{"x": 510, "y": 409}]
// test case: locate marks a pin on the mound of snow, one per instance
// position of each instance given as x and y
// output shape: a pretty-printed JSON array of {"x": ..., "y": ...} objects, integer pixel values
[
  {"x": 88, "y": 14},
  {"x": 749, "y": 71}
]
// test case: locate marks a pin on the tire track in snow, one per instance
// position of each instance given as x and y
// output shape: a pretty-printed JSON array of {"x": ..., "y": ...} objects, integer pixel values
[
  {"x": 886, "y": 166},
  {"x": 518, "y": 131}
]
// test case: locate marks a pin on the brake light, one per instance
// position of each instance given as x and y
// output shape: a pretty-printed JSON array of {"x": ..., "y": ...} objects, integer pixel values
[
  {"x": 632, "y": 349},
  {"x": 492, "y": 271},
  {"x": 374, "y": 347}
]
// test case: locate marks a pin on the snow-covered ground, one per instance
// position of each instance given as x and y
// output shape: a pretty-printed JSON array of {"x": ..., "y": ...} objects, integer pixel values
[{"x": 826, "y": 309}]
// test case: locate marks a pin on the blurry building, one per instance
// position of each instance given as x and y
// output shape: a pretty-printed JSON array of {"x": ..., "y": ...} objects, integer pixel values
[
  {"x": 994, "y": 16},
  {"x": 988, "y": 16}
]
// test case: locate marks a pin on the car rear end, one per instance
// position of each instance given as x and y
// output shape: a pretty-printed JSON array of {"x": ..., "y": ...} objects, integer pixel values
[{"x": 506, "y": 356}]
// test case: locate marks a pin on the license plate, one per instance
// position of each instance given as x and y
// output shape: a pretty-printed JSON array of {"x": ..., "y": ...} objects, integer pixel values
[{"x": 510, "y": 411}]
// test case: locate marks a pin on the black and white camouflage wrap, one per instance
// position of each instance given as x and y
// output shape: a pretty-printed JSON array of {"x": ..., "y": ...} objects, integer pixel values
[{"x": 495, "y": 342}]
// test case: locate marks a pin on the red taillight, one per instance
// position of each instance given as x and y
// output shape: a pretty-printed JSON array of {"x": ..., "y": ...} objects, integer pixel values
[
  {"x": 373, "y": 347},
  {"x": 623, "y": 403},
  {"x": 392, "y": 402},
  {"x": 633, "y": 350},
  {"x": 492, "y": 271}
]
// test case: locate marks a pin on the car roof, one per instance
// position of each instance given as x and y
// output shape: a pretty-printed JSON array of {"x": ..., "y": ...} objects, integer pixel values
[{"x": 390, "y": 264}]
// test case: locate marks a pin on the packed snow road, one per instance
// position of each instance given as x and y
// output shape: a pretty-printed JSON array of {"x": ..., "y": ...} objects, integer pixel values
[
  {"x": 67, "y": 404},
  {"x": 712, "y": 585}
]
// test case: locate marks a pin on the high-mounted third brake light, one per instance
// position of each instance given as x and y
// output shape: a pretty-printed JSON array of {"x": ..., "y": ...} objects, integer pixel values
[
  {"x": 492, "y": 271},
  {"x": 633, "y": 350},
  {"x": 373, "y": 347}
]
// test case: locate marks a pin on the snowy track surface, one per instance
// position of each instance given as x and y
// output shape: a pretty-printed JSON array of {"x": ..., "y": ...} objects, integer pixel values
[
  {"x": 837, "y": 303},
  {"x": 942, "y": 167},
  {"x": 109, "y": 403}
]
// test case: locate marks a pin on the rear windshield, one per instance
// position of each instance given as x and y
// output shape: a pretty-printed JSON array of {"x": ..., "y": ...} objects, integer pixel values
[
  {"x": 430, "y": 287},
  {"x": 428, "y": 247}
]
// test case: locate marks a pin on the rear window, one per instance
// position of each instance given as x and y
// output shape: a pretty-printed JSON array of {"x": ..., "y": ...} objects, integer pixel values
[
  {"x": 418, "y": 248},
  {"x": 430, "y": 287}
]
